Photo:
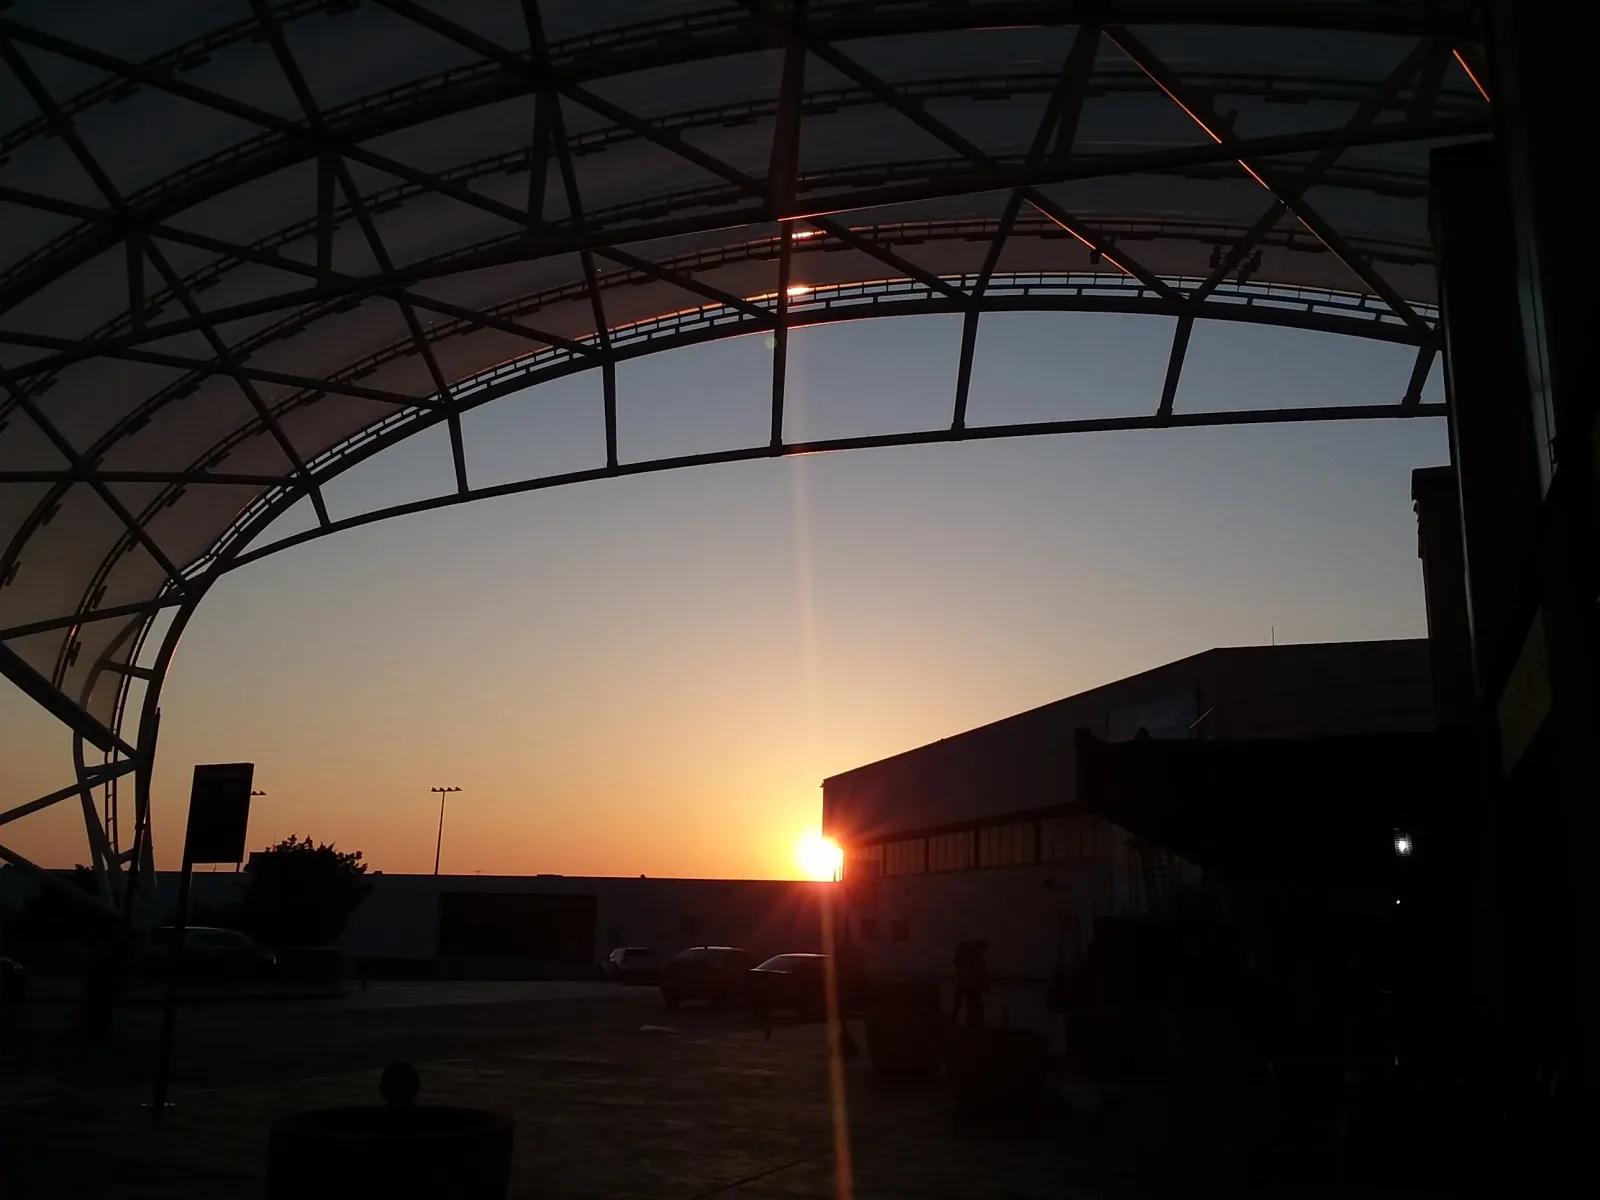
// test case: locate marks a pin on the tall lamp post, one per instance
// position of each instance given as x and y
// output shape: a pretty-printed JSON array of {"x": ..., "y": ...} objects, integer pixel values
[{"x": 439, "y": 842}]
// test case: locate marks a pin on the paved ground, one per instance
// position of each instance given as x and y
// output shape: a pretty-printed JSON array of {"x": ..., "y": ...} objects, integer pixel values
[{"x": 612, "y": 1097}]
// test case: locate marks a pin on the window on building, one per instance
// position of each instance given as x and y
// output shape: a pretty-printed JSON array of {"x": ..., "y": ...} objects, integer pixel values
[
  {"x": 1007, "y": 845},
  {"x": 950, "y": 851},
  {"x": 1022, "y": 842},
  {"x": 1071, "y": 839},
  {"x": 900, "y": 930},
  {"x": 1057, "y": 838},
  {"x": 908, "y": 857},
  {"x": 868, "y": 929},
  {"x": 863, "y": 862}
]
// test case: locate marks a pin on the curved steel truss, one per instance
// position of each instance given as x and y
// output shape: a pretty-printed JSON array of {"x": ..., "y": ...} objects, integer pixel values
[{"x": 361, "y": 221}]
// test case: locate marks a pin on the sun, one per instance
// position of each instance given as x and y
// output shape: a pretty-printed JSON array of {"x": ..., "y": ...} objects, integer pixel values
[{"x": 819, "y": 857}]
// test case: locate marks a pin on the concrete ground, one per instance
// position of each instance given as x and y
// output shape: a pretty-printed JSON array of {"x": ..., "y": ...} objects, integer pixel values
[{"x": 612, "y": 1097}]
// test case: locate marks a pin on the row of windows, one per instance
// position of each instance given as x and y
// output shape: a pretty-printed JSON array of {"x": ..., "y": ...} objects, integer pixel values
[{"x": 1049, "y": 839}]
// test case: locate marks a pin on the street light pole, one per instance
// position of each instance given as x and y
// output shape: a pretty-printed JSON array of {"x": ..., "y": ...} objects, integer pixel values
[{"x": 439, "y": 842}]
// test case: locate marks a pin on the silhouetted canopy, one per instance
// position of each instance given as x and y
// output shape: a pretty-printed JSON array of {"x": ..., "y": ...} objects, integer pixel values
[{"x": 244, "y": 246}]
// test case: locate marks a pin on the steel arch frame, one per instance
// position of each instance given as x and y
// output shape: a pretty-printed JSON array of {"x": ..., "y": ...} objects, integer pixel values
[
  {"x": 236, "y": 551},
  {"x": 799, "y": 28}
]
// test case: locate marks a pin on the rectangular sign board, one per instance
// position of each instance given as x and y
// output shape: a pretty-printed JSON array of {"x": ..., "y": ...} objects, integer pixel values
[{"x": 219, "y": 811}]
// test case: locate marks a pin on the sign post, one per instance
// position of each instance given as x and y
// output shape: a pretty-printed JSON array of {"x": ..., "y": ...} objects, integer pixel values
[{"x": 219, "y": 811}]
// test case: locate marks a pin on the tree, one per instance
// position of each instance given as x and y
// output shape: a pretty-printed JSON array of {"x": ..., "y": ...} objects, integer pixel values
[{"x": 301, "y": 893}]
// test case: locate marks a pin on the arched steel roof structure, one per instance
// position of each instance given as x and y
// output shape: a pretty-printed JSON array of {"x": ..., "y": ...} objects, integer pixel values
[{"x": 246, "y": 246}]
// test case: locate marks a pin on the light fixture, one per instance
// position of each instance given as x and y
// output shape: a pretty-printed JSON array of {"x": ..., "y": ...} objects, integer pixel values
[
  {"x": 799, "y": 289},
  {"x": 1402, "y": 844}
]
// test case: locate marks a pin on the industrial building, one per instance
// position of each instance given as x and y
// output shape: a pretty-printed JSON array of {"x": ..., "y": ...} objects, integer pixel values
[{"x": 1006, "y": 833}]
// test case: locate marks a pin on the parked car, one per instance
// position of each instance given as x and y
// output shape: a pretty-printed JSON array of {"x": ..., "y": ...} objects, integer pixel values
[
  {"x": 631, "y": 964},
  {"x": 797, "y": 983},
  {"x": 13, "y": 980},
  {"x": 210, "y": 954},
  {"x": 794, "y": 983},
  {"x": 713, "y": 973}
]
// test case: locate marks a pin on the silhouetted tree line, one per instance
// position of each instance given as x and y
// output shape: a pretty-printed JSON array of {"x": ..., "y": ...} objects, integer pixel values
[{"x": 299, "y": 892}]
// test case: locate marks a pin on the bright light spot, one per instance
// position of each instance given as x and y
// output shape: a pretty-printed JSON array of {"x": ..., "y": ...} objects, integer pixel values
[
  {"x": 819, "y": 857},
  {"x": 799, "y": 289},
  {"x": 800, "y": 235},
  {"x": 1402, "y": 844}
]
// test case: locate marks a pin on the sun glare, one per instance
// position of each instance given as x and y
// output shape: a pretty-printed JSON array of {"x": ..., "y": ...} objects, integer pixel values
[{"x": 819, "y": 857}]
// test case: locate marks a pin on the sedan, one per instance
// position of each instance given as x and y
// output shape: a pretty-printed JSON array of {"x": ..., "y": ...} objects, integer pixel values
[
  {"x": 796, "y": 983},
  {"x": 212, "y": 955},
  {"x": 712, "y": 973}
]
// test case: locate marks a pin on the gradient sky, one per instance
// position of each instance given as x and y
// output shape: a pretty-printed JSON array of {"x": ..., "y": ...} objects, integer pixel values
[{"x": 653, "y": 675}]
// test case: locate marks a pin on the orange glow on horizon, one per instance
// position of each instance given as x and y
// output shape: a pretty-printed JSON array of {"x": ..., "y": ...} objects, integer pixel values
[{"x": 819, "y": 857}]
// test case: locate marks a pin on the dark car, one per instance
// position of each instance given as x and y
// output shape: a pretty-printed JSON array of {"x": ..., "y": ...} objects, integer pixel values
[
  {"x": 631, "y": 964},
  {"x": 794, "y": 983},
  {"x": 211, "y": 955},
  {"x": 13, "y": 980},
  {"x": 714, "y": 973}
]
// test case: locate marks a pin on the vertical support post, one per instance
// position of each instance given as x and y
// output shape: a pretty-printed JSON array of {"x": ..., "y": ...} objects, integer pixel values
[
  {"x": 780, "y": 335},
  {"x": 1180, "y": 347},
  {"x": 438, "y": 843},
  {"x": 169, "y": 1005}
]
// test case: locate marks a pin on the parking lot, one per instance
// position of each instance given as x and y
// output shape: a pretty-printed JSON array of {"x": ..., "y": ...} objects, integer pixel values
[{"x": 612, "y": 1097}]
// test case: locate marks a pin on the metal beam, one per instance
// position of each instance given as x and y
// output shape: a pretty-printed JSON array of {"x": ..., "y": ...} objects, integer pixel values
[
  {"x": 1077, "y": 168},
  {"x": 369, "y": 231},
  {"x": 1199, "y": 111},
  {"x": 48, "y": 697},
  {"x": 289, "y": 130},
  {"x": 81, "y": 470},
  {"x": 538, "y": 49},
  {"x": 969, "y": 345},
  {"x": 329, "y": 285},
  {"x": 1180, "y": 347},
  {"x": 114, "y": 201},
  {"x": 931, "y": 125},
  {"x": 181, "y": 478},
  {"x": 1061, "y": 117},
  {"x": 131, "y": 671},
  {"x": 1368, "y": 112},
  {"x": 201, "y": 366},
  {"x": 667, "y": 139},
  {"x": 50, "y": 624},
  {"x": 1419, "y": 374},
  {"x": 1353, "y": 412},
  {"x": 104, "y": 775},
  {"x": 780, "y": 335}
]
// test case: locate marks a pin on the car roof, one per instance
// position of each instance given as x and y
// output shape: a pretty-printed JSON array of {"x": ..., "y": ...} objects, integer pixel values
[{"x": 795, "y": 958}]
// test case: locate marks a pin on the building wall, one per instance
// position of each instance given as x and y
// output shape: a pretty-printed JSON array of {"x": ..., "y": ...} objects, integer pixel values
[
  {"x": 909, "y": 824},
  {"x": 399, "y": 918}
]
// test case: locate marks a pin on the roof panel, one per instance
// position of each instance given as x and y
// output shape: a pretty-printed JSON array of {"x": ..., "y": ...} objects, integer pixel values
[{"x": 671, "y": 112}]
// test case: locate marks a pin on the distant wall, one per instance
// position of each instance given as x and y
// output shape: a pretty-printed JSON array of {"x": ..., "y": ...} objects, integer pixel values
[{"x": 399, "y": 918}]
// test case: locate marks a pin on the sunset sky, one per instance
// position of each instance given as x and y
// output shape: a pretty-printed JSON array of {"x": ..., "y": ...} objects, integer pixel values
[{"x": 653, "y": 675}]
